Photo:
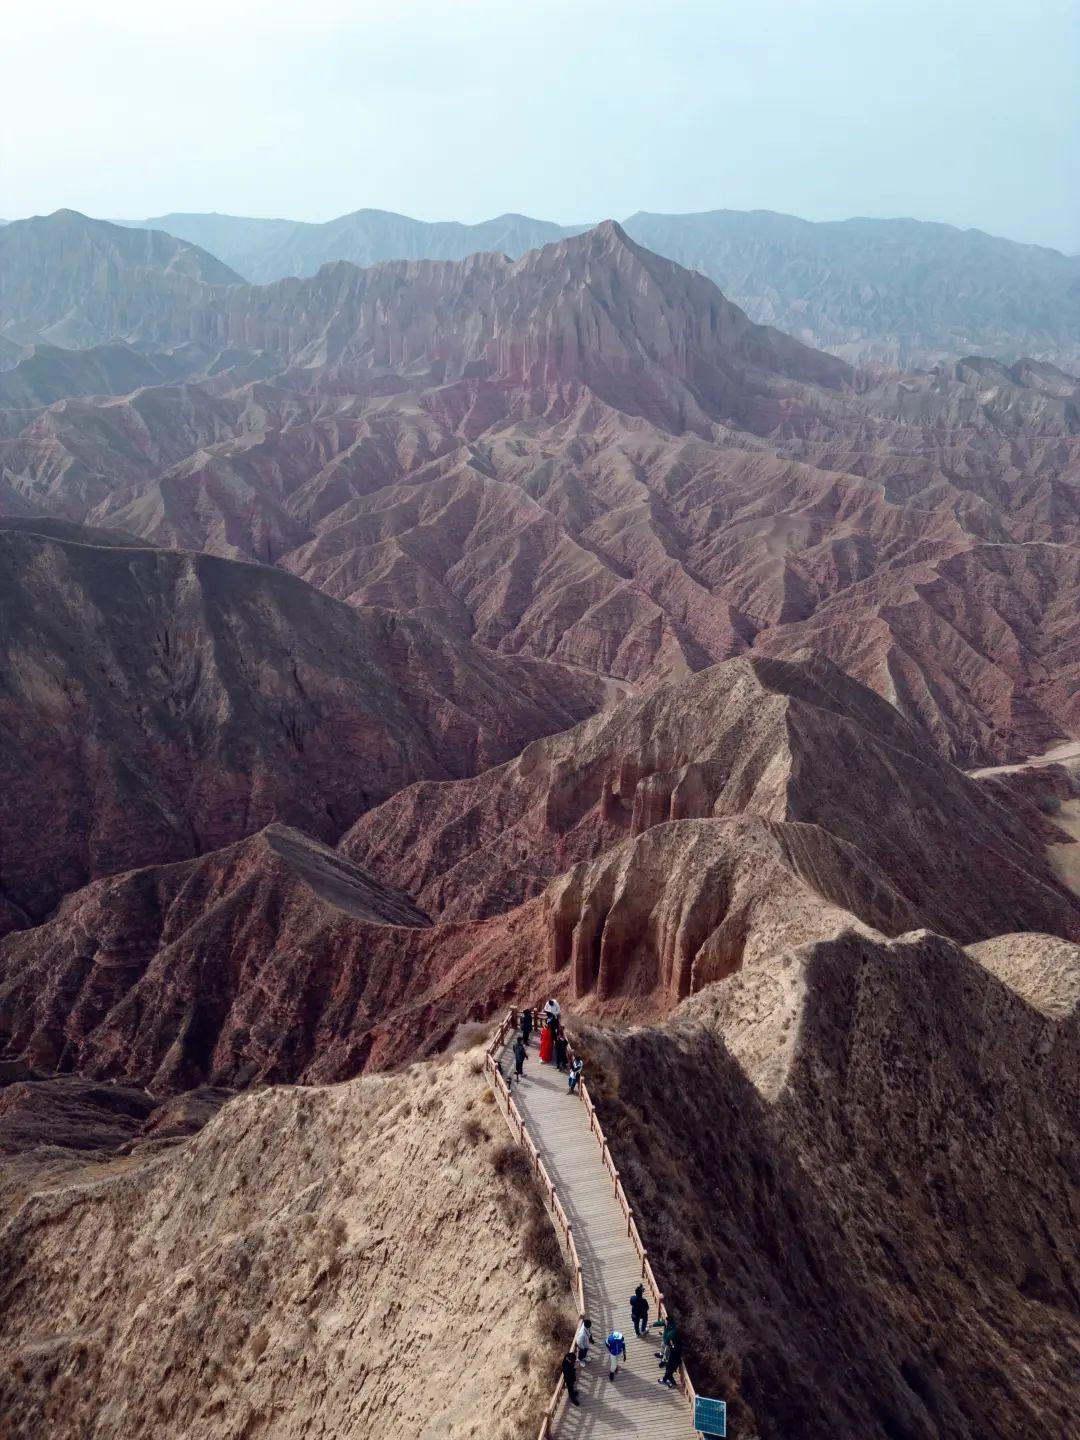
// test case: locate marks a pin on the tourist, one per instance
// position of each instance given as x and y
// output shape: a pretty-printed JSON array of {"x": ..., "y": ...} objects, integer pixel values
[
  {"x": 552, "y": 1008},
  {"x": 583, "y": 1339},
  {"x": 667, "y": 1334},
  {"x": 547, "y": 1040},
  {"x": 616, "y": 1351},
  {"x": 519, "y": 1056},
  {"x": 574, "y": 1078},
  {"x": 639, "y": 1311},
  {"x": 569, "y": 1375},
  {"x": 561, "y": 1047},
  {"x": 526, "y": 1025},
  {"x": 674, "y": 1360}
]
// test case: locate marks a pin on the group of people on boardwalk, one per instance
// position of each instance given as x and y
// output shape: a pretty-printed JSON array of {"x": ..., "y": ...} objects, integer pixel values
[
  {"x": 554, "y": 1049},
  {"x": 554, "y": 1046},
  {"x": 669, "y": 1355}
]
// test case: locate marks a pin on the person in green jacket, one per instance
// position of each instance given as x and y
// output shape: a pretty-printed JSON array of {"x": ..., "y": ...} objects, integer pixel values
[{"x": 668, "y": 1333}]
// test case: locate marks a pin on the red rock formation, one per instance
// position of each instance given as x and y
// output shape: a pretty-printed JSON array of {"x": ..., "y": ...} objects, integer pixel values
[
  {"x": 157, "y": 704},
  {"x": 788, "y": 741},
  {"x": 589, "y": 454},
  {"x": 641, "y": 857}
]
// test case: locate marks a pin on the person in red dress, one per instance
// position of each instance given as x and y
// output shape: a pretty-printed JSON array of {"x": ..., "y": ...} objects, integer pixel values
[{"x": 547, "y": 1040}]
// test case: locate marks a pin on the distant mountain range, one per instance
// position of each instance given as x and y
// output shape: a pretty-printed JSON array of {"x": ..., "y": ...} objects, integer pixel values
[
  {"x": 384, "y": 647},
  {"x": 894, "y": 292}
]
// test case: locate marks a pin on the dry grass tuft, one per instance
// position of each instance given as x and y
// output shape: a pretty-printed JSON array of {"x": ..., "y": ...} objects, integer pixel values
[
  {"x": 540, "y": 1245},
  {"x": 472, "y": 1132}
]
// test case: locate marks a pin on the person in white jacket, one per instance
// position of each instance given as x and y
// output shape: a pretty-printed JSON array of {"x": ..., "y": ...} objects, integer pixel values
[
  {"x": 583, "y": 1339},
  {"x": 553, "y": 1008}
]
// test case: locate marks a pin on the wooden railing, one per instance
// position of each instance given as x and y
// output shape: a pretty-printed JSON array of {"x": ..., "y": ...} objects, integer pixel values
[{"x": 516, "y": 1122}]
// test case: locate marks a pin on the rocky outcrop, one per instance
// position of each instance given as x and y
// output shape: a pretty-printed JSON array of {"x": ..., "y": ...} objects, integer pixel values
[
  {"x": 688, "y": 903},
  {"x": 853, "y": 1164}
]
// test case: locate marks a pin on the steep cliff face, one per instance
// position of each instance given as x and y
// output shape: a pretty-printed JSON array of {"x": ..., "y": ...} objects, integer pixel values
[
  {"x": 314, "y": 1260},
  {"x": 857, "y": 1163},
  {"x": 157, "y": 704}
]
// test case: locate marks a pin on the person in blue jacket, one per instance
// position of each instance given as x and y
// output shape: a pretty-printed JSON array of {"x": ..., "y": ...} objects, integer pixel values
[{"x": 616, "y": 1351}]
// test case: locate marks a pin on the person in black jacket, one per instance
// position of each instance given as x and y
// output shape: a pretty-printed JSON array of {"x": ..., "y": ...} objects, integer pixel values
[
  {"x": 526, "y": 1025},
  {"x": 639, "y": 1311},
  {"x": 569, "y": 1375},
  {"x": 561, "y": 1047},
  {"x": 674, "y": 1360},
  {"x": 519, "y": 1056}
]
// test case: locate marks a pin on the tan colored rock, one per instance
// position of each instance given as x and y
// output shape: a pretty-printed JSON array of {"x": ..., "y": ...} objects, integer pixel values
[
  {"x": 341, "y": 1262},
  {"x": 855, "y": 1165}
]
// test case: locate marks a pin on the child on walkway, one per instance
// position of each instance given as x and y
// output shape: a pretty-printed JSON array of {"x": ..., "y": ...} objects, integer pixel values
[{"x": 616, "y": 1351}]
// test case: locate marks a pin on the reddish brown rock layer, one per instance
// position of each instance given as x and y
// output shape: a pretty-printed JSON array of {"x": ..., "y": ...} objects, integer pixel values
[
  {"x": 590, "y": 455},
  {"x": 157, "y": 704},
  {"x": 786, "y": 740}
]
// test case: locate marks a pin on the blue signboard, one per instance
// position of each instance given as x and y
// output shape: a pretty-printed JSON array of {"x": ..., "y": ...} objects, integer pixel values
[{"x": 710, "y": 1417}]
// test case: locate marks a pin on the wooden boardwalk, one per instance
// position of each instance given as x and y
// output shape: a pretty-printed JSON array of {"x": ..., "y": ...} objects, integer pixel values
[{"x": 635, "y": 1403}]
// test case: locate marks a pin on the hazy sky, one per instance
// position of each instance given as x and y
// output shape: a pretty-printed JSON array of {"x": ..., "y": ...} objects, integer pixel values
[{"x": 572, "y": 110}]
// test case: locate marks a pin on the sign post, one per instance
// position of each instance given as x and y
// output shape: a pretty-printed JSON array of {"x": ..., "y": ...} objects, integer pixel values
[{"x": 710, "y": 1418}]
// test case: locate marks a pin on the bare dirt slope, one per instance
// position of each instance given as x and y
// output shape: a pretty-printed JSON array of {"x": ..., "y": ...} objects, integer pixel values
[
  {"x": 857, "y": 1166},
  {"x": 340, "y": 1263}
]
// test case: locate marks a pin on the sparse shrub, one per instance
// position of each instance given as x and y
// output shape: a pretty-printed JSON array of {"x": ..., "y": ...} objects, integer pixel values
[
  {"x": 551, "y": 1324},
  {"x": 472, "y": 1132},
  {"x": 487, "y": 1098},
  {"x": 511, "y": 1164},
  {"x": 540, "y": 1245}
]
